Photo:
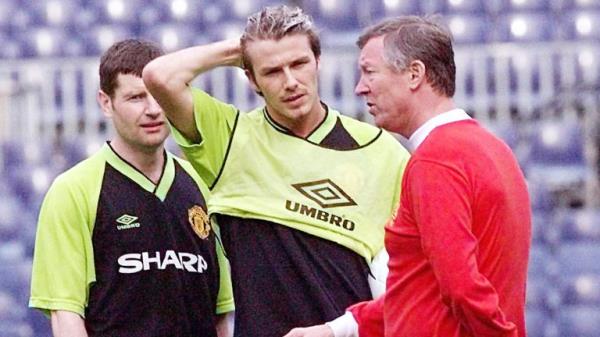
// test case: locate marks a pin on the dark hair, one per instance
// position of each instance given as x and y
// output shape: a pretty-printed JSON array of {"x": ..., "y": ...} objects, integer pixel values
[
  {"x": 125, "y": 57},
  {"x": 411, "y": 38},
  {"x": 276, "y": 22}
]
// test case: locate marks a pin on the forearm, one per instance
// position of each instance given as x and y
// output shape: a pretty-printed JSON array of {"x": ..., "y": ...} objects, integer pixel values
[
  {"x": 225, "y": 324},
  {"x": 178, "y": 69},
  {"x": 67, "y": 324},
  {"x": 167, "y": 78}
]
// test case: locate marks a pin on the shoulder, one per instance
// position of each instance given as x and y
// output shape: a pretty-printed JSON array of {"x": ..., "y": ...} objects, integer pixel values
[{"x": 189, "y": 170}]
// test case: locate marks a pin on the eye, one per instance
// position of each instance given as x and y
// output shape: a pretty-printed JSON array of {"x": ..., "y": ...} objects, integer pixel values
[
  {"x": 136, "y": 97},
  {"x": 299, "y": 64}
]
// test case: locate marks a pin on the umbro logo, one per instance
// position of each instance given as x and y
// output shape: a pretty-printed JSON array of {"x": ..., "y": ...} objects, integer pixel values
[
  {"x": 127, "y": 221},
  {"x": 325, "y": 193}
]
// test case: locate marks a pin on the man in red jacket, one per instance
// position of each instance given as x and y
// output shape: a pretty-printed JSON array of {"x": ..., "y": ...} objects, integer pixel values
[{"x": 459, "y": 244}]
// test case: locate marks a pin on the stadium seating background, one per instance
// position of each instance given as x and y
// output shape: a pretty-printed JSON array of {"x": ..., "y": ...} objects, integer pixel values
[{"x": 527, "y": 69}]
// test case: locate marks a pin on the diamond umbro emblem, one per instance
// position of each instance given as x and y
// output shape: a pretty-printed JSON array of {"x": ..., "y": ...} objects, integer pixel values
[
  {"x": 325, "y": 193},
  {"x": 127, "y": 221}
]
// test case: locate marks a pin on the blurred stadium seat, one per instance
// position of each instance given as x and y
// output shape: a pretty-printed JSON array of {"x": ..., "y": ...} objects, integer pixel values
[
  {"x": 55, "y": 13},
  {"x": 579, "y": 225},
  {"x": 116, "y": 11},
  {"x": 43, "y": 41},
  {"x": 525, "y": 27},
  {"x": 100, "y": 37},
  {"x": 468, "y": 28},
  {"x": 578, "y": 4},
  {"x": 581, "y": 24},
  {"x": 170, "y": 36},
  {"x": 556, "y": 156},
  {"x": 579, "y": 321},
  {"x": 513, "y": 6},
  {"x": 557, "y": 143},
  {"x": 391, "y": 8},
  {"x": 334, "y": 15},
  {"x": 473, "y": 7}
]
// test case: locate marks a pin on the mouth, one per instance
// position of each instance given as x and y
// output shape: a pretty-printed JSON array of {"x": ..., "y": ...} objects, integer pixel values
[
  {"x": 152, "y": 126},
  {"x": 371, "y": 107},
  {"x": 293, "y": 98}
]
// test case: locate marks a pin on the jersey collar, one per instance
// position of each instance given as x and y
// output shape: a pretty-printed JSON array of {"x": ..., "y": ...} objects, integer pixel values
[
  {"x": 424, "y": 130},
  {"x": 318, "y": 134},
  {"x": 127, "y": 169}
]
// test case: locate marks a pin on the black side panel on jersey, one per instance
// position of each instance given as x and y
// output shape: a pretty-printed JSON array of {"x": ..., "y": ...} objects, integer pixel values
[
  {"x": 284, "y": 278},
  {"x": 155, "y": 275},
  {"x": 339, "y": 138}
]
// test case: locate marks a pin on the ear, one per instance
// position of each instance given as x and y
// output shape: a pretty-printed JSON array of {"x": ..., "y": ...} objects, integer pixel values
[
  {"x": 416, "y": 71},
  {"x": 252, "y": 81},
  {"x": 105, "y": 103}
]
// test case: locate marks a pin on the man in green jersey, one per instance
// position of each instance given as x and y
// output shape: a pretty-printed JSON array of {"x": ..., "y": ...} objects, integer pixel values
[
  {"x": 124, "y": 246},
  {"x": 300, "y": 191}
]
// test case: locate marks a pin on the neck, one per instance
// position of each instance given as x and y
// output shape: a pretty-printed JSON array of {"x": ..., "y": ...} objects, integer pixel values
[
  {"x": 304, "y": 125},
  {"x": 428, "y": 107},
  {"x": 148, "y": 160}
]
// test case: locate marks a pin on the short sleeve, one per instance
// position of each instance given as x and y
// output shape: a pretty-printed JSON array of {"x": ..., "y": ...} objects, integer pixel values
[
  {"x": 63, "y": 263},
  {"x": 215, "y": 121}
]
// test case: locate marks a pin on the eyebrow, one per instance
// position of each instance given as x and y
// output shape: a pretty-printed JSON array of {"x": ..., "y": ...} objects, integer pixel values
[{"x": 267, "y": 69}]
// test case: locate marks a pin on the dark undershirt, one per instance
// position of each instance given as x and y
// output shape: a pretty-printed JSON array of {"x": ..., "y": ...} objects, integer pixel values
[{"x": 285, "y": 278}]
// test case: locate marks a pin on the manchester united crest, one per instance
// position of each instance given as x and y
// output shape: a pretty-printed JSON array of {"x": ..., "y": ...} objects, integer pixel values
[{"x": 199, "y": 221}]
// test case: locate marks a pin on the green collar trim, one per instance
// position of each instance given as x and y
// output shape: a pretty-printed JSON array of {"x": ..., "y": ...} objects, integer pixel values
[
  {"x": 131, "y": 172},
  {"x": 318, "y": 134}
]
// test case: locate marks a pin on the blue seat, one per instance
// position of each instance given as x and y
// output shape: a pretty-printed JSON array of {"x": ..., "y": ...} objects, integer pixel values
[
  {"x": 580, "y": 24},
  {"x": 525, "y": 27},
  {"x": 580, "y": 273},
  {"x": 41, "y": 41},
  {"x": 537, "y": 322},
  {"x": 20, "y": 18},
  {"x": 580, "y": 225},
  {"x": 7, "y": 9},
  {"x": 190, "y": 12},
  {"x": 512, "y": 6},
  {"x": 54, "y": 13},
  {"x": 11, "y": 48},
  {"x": 13, "y": 155},
  {"x": 578, "y": 4},
  {"x": 557, "y": 142},
  {"x": 468, "y": 28},
  {"x": 390, "y": 8},
  {"x": 17, "y": 328},
  {"x": 11, "y": 308},
  {"x": 171, "y": 36},
  {"x": 579, "y": 321},
  {"x": 117, "y": 11},
  {"x": 11, "y": 215},
  {"x": 99, "y": 38},
  {"x": 541, "y": 198},
  {"x": 582, "y": 289},
  {"x": 556, "y": 155},
  {"x": 477, "y": 7},
  {"x": 578, "y": 258},
  {"x": 334, "y": 15},
  {"x": 543, "y": 228}
]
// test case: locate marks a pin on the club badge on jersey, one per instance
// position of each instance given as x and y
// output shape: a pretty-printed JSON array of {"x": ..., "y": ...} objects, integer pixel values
[{"x": 199, "y": 221}]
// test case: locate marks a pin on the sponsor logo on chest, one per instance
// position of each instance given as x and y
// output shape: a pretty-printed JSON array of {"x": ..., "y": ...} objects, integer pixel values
[
  {"x": 327, "y": 195},
  {"x": 127, "y": 221},
  {"x": 137, "y": 262}
]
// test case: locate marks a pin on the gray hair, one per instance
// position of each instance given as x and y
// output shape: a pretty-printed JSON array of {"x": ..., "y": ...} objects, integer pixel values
[
  {"x": 412, "y": 38},
  {"x": 275, "y": 22}
]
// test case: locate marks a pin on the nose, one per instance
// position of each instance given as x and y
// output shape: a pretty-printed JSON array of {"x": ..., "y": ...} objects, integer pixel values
[
  {"x": 153, "y": 107},
  {"x": 290, "y": 80},
  {"x": 361, "y": 88}
]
